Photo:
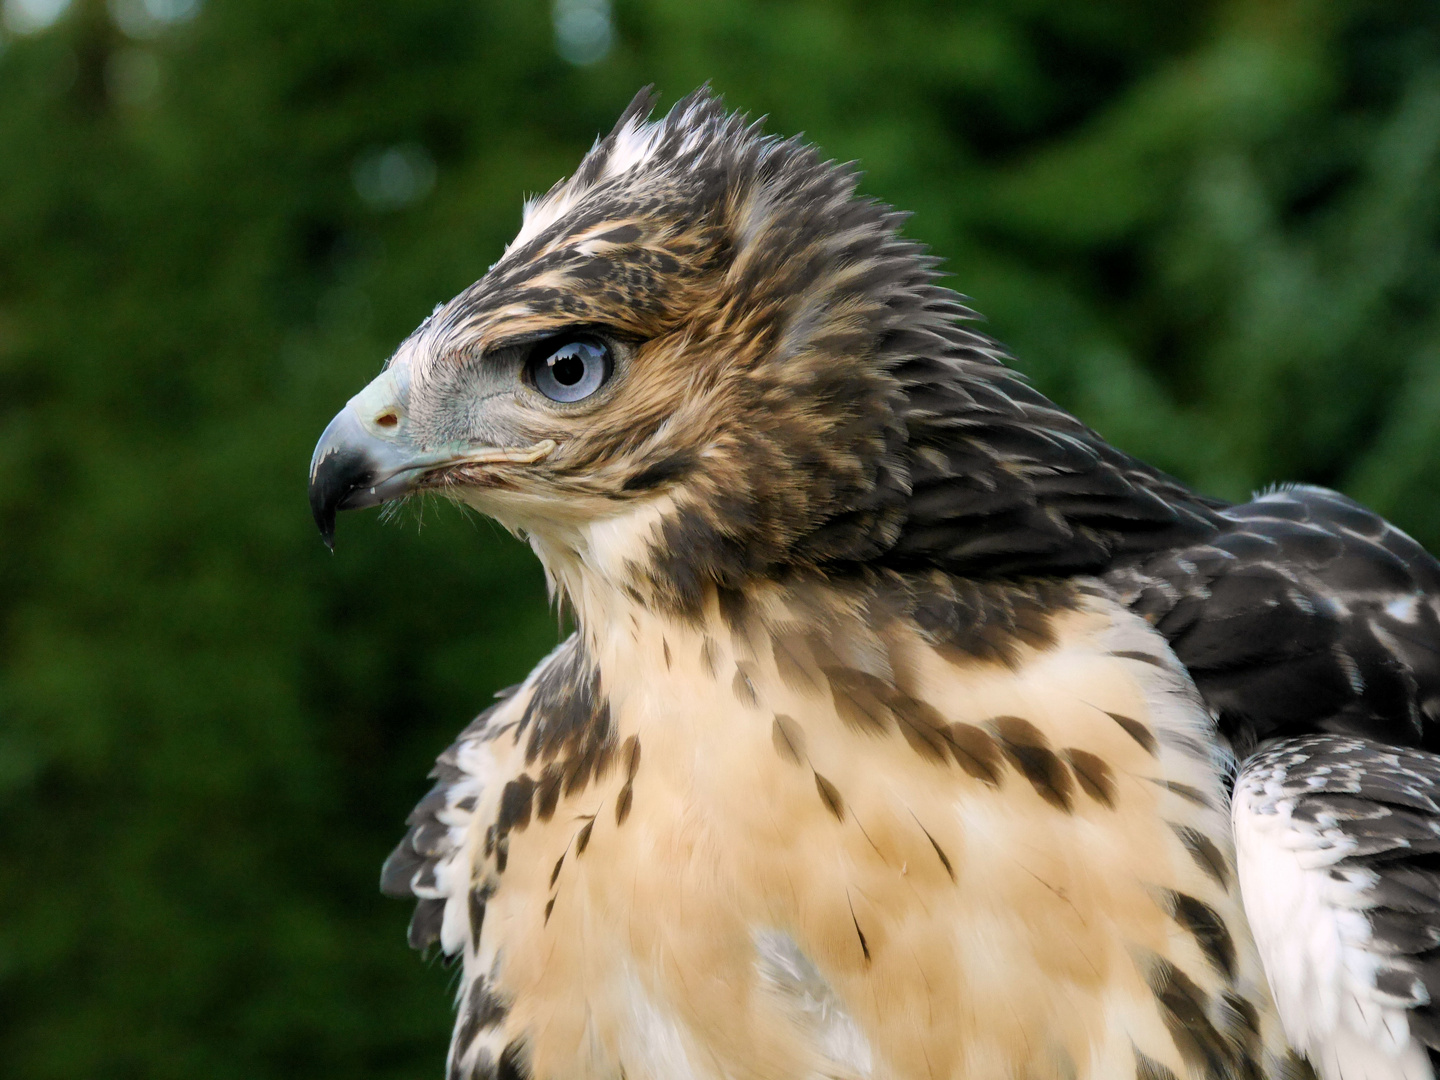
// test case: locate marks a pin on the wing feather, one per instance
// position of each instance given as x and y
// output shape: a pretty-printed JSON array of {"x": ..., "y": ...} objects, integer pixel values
[
  {"x": 1308, "y": 613},
  {"x": 1338, "y": 853},
  {"x": 437, "y": 836}
]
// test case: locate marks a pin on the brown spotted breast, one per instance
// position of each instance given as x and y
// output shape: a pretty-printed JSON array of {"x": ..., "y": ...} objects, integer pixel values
[{"x": 811, "y": 834}]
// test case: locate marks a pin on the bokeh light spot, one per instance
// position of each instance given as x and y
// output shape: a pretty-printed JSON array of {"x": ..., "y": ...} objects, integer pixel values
[
  {"x": 30, "y": 16},
  {"x": 147, "y": 18},
  {"x": 132, "y": 76},
  {"x": 395, "y": 177},
  {"x": 584, "y": 30}
]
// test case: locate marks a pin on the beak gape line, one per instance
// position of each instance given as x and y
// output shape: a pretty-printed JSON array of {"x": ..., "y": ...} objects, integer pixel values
[{"x": 356, "y": 465}]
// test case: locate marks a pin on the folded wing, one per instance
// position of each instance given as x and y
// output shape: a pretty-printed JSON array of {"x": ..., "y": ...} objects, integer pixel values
[
  {"x": 1305, "y": 613},
  {"x": 1312, "y": 628},
  {"x": 1338, "y": 852}
]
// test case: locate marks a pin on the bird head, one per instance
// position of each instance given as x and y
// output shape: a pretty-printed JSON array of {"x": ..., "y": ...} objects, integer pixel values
[{"x": 704, "y": 359}]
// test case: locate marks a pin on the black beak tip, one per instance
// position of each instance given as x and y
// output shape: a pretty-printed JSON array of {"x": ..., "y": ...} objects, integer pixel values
[
  {"x": 333, "y": 477},
  {"x": 323, "y": 509},
  {"x": 327, "y": 530}
]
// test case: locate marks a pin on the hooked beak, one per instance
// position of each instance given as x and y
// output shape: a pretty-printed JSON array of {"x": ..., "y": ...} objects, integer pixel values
[{"x": 366, "y": 455}]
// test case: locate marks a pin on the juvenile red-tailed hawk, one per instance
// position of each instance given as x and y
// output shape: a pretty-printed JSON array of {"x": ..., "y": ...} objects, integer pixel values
[{"x": 898, "y": 738}]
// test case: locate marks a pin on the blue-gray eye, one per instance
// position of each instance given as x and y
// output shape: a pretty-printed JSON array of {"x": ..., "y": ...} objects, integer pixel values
[{"x": 571, "y": 371}]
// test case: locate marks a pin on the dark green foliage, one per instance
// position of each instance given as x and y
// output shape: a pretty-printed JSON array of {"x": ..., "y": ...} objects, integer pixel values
[{"x": 1209, "y": 229}]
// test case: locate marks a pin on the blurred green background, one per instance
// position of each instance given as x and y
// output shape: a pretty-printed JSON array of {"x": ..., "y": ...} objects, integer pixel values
[{"x": 1208, "y": 228}]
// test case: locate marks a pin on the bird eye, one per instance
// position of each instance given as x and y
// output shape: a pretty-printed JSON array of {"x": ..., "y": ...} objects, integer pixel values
[{"x": 572, "y": 371}]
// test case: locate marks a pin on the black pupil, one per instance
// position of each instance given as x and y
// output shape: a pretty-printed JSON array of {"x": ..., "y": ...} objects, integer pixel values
[{"x": 568, "y": 365}]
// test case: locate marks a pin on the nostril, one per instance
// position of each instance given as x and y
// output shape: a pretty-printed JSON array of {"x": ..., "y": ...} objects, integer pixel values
[{"x": 387, "y": 420}]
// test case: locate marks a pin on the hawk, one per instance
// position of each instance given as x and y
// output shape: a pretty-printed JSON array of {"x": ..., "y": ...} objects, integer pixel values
[{"x": 909, "y": 729}]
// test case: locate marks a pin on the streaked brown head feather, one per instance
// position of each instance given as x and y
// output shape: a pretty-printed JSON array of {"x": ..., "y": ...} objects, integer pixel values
[{"x": 793, "y": 389}]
